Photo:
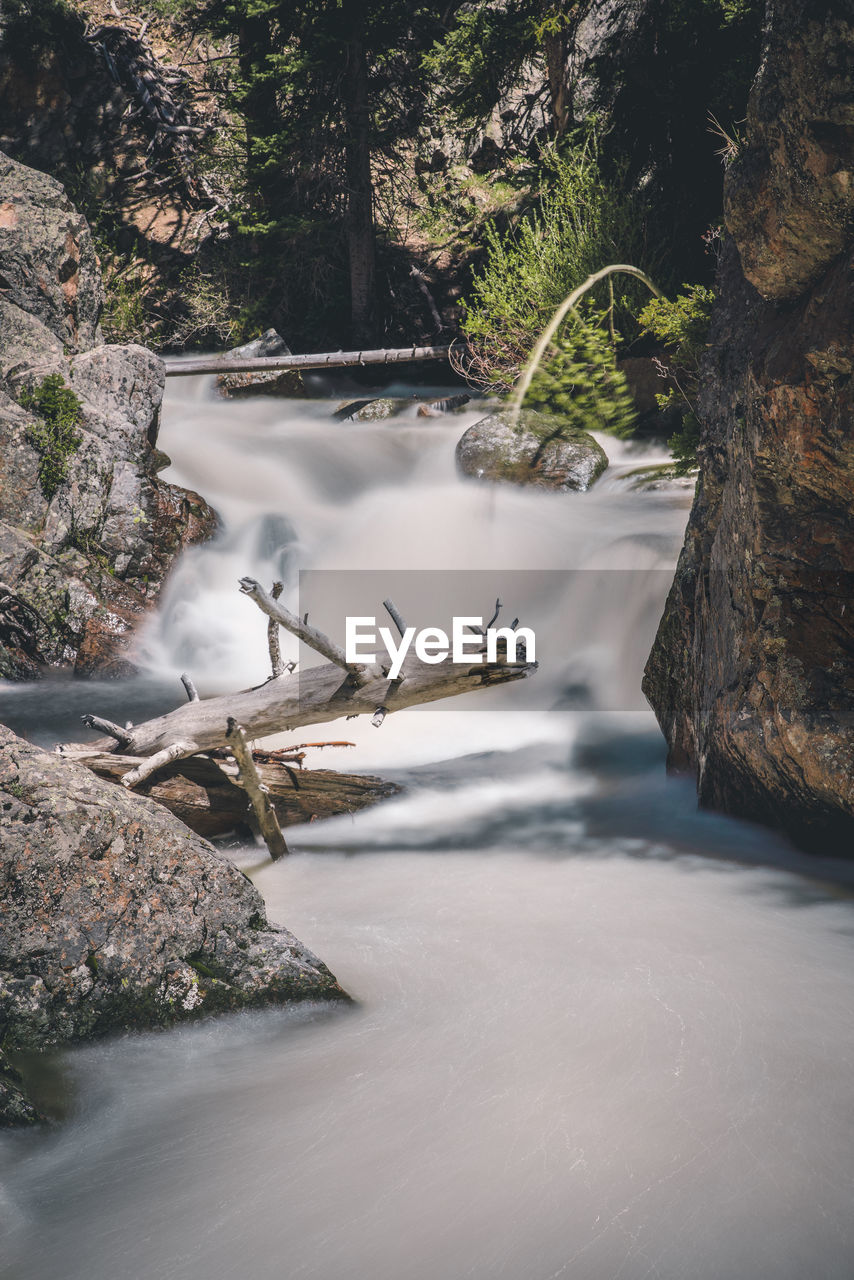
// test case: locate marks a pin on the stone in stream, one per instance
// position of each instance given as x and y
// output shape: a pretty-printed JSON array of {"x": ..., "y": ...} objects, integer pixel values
[
  {"x": 371, "y": 410},
  {"x": 437, "y": 408},
  {"x": 494, "y": 449},
  {"x": 273, "y": 382},
  {"x": 81, "y": 556},
  {"x": 116, "y": 916}
]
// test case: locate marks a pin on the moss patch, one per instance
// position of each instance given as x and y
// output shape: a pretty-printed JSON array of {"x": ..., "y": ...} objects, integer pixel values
[{"x": 55, "y": 434}]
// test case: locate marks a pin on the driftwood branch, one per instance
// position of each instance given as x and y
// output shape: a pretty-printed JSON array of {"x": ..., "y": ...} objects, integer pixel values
[
  {"x": 316, "y": 698},
  {"x": 392, "y": 612},
  {"x": 264, "y": 811},
  {"x": 300, "y": 627},
  {"x": 175, "y": 751},
  {"x": 207, "y": 796},
  {"x": 121, "y": 735},
  {"x": 190, "y": 689},
  {"x": 321, "y": 694},
  {"x": 277, "y": 665}
]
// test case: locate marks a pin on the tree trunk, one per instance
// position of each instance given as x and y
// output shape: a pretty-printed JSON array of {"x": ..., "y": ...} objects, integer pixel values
[
  {"x": 555, "y": 49},
  {"x": 360, "y": 217},
  {"x": 260, "y": 109}
]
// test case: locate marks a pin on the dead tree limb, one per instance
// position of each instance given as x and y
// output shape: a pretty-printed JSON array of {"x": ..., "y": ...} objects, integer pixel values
[
  {"x": 121, "y": 735},
  {"x": 255, "y": 789},
  {"x": 207, "y": 795},
  {"x": 318, "y": 696},
  {"x": 191, "y": 690},
  {"x": 299, "y": 627},
  {"x": 277, "y": 665},
  {"x": 392, "y": 612},
  {"x": 280, "y": 705},
  {"x": 323, "y": 360},
  {"x": 150, "y": 765}
]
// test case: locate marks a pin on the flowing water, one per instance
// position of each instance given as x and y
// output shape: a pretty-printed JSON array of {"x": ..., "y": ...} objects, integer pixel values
[{"x": 597, "y": 1034}]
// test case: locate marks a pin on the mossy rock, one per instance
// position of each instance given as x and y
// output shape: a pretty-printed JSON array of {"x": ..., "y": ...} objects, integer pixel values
[{"x": 540, "y": 451}]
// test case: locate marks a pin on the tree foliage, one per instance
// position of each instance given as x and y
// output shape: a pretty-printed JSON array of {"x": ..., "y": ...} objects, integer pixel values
[
  {"x": 682, "y": 327},
  {"x": 324, "y": 88},
  {"x": 581, "y": 384},
  {"x": 582, "y": 221}
]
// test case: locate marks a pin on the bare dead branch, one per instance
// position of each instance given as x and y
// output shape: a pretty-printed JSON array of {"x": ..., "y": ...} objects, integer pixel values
[
  {"x": 276, "y": 662},
  {"x": 191, "y": 690},
  {"x": 121, "y": 736},
  {"x": 147, "y": 767},
  {"x": 392, "y": 612},
  {"x": 257, "y": 792},
  {"x": 300, "y": 627}
]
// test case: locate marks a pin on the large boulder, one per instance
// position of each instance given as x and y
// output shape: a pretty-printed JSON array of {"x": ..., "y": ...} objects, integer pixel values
[
  {"x": 750, "y": 675},
  {"x": 538, "y": 451},
  {"x": 117, "y": 916},
  {"x": 80, "y": 561}
]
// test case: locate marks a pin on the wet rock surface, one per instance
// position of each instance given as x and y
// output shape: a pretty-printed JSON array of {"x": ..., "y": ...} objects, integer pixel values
[
  {"x": 117, "y": 916},
  {"x": 538, "y": 453},
  {"x": 750, "y": 675},
  {"x": 16, "y": 1109},
  {"x": 78, "y": 567},
  {"x": 283, "y": 382}
]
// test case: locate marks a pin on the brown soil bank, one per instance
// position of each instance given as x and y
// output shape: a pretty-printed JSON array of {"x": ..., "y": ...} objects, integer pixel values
[{"x": 751, "y": 674}]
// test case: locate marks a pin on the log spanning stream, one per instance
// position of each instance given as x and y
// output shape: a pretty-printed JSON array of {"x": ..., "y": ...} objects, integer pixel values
[{"x": 598, "y": 1034}]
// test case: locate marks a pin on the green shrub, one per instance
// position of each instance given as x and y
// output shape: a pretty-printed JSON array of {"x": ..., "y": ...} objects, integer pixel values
[
  {"x": 54, "y": 435},
  {"x": 682, "y": 326},
  {"x": 581, "y": 383},
  {"x": 582, "y": 222},
  {"x": 123, "y": 318}
]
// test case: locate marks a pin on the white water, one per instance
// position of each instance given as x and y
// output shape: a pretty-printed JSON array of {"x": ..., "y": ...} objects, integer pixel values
[{"x": 598, "y": 1034}]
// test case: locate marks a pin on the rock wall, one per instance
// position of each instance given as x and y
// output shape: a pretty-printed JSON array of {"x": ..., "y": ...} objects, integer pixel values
[
  {"x": 77, "y": 569},
  {"x": 751, "y": 672}
]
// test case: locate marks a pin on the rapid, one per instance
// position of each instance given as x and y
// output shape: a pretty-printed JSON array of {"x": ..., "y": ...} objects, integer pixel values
[{"x": 597, "y": 1034}]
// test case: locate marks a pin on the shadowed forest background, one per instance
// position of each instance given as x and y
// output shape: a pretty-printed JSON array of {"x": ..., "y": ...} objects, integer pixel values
[{"x": 373, "y": 172}]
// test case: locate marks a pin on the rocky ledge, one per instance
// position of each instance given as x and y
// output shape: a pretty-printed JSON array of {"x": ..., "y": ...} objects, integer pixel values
[
  {"x": 750, "y": 675},
  {"x": 117, "y": 916},
  {"x": 87, "y": 531}
]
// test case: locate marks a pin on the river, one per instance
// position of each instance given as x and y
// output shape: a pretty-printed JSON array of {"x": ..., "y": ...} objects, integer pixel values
[{"x": 598, "y": 1034}]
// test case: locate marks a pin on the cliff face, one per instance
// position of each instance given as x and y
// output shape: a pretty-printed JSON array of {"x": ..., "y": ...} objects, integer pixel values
[
  {"x": 752, "y": 671},
  {"x": 80, "y": 564}
]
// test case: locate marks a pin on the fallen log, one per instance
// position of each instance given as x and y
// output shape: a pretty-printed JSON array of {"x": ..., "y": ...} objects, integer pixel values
[
  {"x": 207, "y": 796},
  {"x": 339, "y": 688},
  {"x": 322, "y": 360}
]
